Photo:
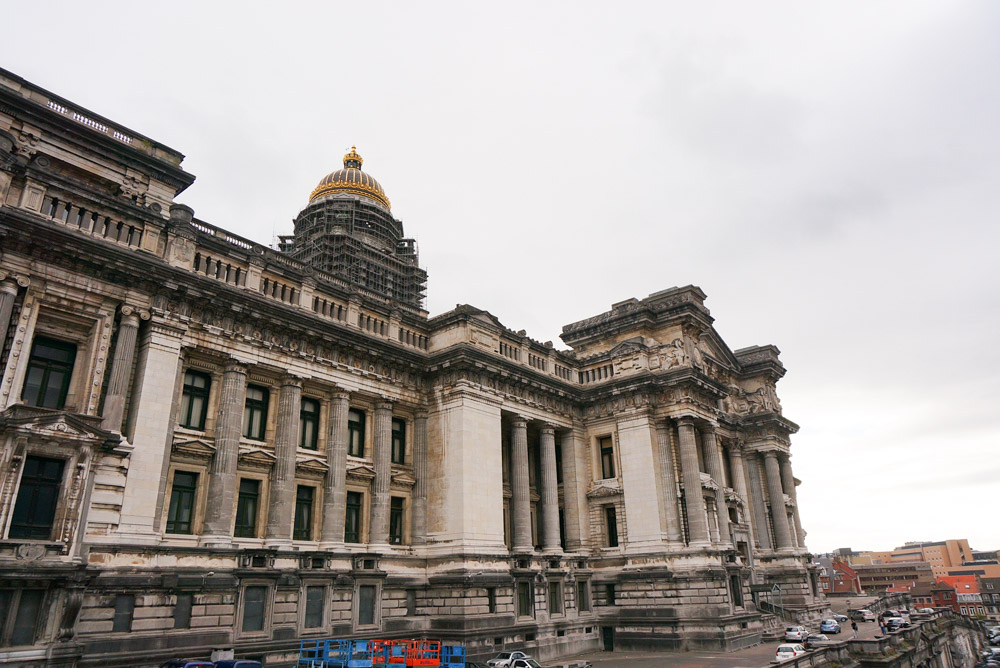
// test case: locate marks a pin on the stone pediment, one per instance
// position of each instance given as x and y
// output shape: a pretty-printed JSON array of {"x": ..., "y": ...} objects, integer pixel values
[
  {"x": 310, "y": 466},
  {"x": 604, "y": 488},
  {"x": 255, "y": 458},
  {"x": 360, "y": 471},
  {"x": 707, "y": 482},
  {"x": 49, "y": 423},
  {"x": 629, "y": 347},
  {"x": 196, "y": 448},
  {"x": 403, "y": 479}
]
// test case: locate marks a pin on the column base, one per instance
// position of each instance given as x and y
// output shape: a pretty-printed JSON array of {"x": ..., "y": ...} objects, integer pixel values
[
  {"x": 331, "y": 546},
  {"x": 215, "y": 541},
  {"x": 278, "y": 543},
  {"x": 552, "y": 551}
]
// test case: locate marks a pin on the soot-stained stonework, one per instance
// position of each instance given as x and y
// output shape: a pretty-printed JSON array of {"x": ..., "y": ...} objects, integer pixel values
[{"x": 207, "y": 444}]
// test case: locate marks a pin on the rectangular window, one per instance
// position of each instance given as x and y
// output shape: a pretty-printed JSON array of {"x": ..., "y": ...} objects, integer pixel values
[
  {"x": 19, "y": 615},
  {"x": 555, "y": 598},
  {"x": 50, "y": 365},
  {"x": 411, "y": 602},
  {"x": 246, "y": 508},
  {"x": 559, "y": 474},
  {"x": 194, "y": 399},
  {"x": 366, "y": 605},
  {"x": 255, "y": 413},
  {"x": 181, "y": 508},
  {"x": 356, "y": 433},
  {"x": 525, "y": 606},
  {"x": 396, "y": 520},
  {"x": 309, "y": 424},
  {"x": 398, "y": 441},
  {"x": 303, "y": 513},
  {"x": 491, "y": 599},
  {"x": 611, "y": 521},
  {"x": 314, "y": 607},
  {"x": 124, "y": 609},
  {"x": 607, "y": 458},
  {"x": 182, "y": 611},
  {"x": 583, "y": 596},
  {"x": 609, "y": 594},
  {"x": 352, "y": 523},
  {"x": 37, "y": 496},
  {"x": 255, "y": 600}
]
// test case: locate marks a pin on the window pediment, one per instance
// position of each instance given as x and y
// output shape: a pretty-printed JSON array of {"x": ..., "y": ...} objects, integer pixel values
[
  {"x": 193, "y": 448},
  {"x": 255, "y": 458}
]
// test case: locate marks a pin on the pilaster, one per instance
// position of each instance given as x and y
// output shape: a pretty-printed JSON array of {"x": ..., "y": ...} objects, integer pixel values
[
  {"x": 281, "y": 504},
  {"x": 218, "y": 529}
]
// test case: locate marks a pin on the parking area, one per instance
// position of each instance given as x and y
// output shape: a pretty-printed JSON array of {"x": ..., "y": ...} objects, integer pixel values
[{"x": 752, "y": 657}]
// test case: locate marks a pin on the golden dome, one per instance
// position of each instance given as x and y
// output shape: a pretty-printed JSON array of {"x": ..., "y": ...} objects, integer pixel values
[{"x": 351, "y": 180}]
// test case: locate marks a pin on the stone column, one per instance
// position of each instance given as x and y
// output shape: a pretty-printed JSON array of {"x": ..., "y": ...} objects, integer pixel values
[
  {"x": 782, "y": 535},
  {"x": 713, "y": 461},
  {"x": 757, "y": 506},
  {"x": 740, "y": 480},
  {"x": 281, "y": 500},
  {"x": 218, "y": 529},
  {"x": 550, "y": 492},
  {"x": 382, "y": 441},
  {"x": 520, "y": 501},
  {"x": 419, "y": 507},
  {"x": 8, "y": 293},
  {"x": 121, "y": 370},
  {"x": 693, "y": 499},
  {"x": 567, "y": 443},
  {"x": 788, "y": 484},
  {"x": 334, "y": 488},
  {"x": 669, "y": 483}
]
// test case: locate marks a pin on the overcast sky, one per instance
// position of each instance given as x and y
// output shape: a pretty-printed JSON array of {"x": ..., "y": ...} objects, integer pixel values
[{"x": 828, "y": 173}]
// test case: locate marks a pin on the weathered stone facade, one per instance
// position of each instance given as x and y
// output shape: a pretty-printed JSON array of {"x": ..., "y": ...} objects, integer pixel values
[{"x": 206, "y": 443}]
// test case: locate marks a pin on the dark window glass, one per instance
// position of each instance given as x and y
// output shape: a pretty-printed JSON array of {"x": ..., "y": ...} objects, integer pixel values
[
  {"x": 583, "y": 596},
  {"x": 255, "y": 413},
  {"x": 352, "y": 523},
  {"x": 562, "y": 530},
  {"x": 254, "y": 602},
  {"x": 124, "y": 608},
  {"x": 524, "y": 602},
  {"x": 37, "y": 496},
  {"x": 559, "y": 462},
  {"x": 50, "y": 366},
  {"x": 181, "y": 508},
  {"x": 309, "y": 424},
  {"x": 366, "y": 605},
  {"x": 194, "y": 399},
  {"x": 607, "y": 458},
  {"x": 396, "y": 520},
  {"x": 24, "y": 624},
  {"x": 314, "y": 606},
  {"x": 398, "y": 441},
  {"x": 355, "y": 433},
  {"x": 246, "y": 508},
  {"x": 182, "y": 611},
  {"x": 555, "y": 598},
  {"x": 411, "y": 602},
  {"x": 491, "y": 599},
  {"x": 609, "y": 593},
  {"x": 611, "y": 518},
  {"x": 303, "y": 513}
]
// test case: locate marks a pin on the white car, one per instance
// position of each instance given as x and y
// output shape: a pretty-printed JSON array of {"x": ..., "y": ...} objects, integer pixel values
[
  {"x": 788, "y": 652},
  {"x": 525, "y": 663},
  {"x": 506, "y": 659},
  {"x": 926, "y": 611},
  {"x": 798, "y": 633}
]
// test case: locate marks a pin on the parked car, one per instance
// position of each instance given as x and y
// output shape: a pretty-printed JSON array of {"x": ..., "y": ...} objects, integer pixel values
[
  {"x": 505, "y": 659},
  {"x": 798, "y": 633},
  {"x": 863, "y": 615},
  {"x": 525, "y": 663},
  {"x": 926, "y": 611},
  {"x": 813, "y": 639},
  {"x": 829, "y": 626},
  {"x": 187, "y": 663},
  {"x": 839, "y": 617},
  {"x": 238, "y": 663},
  {"x": 896, "y": 623},
  {"x": 788, "y": 652}
]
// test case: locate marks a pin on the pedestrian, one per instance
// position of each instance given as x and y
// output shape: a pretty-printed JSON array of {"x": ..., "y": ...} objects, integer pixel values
[
  {"x": 881, "y": 624},
  {"x": 854, "y": 627}
]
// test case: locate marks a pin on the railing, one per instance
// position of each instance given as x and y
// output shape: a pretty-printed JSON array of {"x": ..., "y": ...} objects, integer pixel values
[
  {"x": 222, "y": 269},
  {"x": 597, "y": 373},
  {"x": 89, "y": 122},
  {"x": 410, "y": 338},
  {"x": 91, "y": 222},
  {"x": 271, "y": 287}
]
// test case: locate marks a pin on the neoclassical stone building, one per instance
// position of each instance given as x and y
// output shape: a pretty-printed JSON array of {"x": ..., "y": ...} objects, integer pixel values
[{"x": 206, "y": 443}]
